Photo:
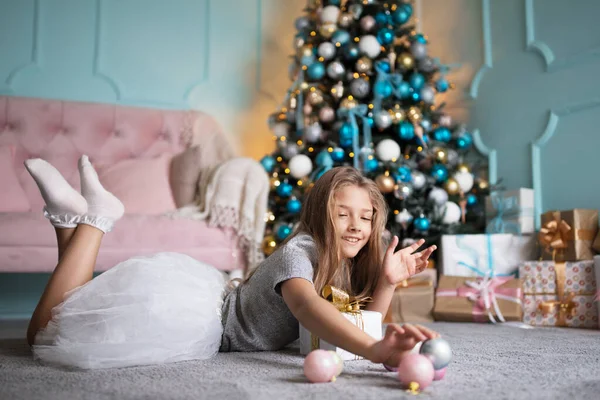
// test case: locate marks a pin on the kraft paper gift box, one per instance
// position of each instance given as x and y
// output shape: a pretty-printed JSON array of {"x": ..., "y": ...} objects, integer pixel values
[
  {"x": 368, "y": 321},
  {"x": 464, "y": 299},
  {"x": 510, "y": 212},
  {"x": 574, "y": 230},
  {"x": 559, "y": 293},
  {"x": 485, "y": 254},
  {"x": 413, "y": 300}
]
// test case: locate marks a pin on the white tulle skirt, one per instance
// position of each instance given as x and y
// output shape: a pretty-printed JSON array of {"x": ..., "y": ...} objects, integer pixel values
[{"x": 146, "y": 310}]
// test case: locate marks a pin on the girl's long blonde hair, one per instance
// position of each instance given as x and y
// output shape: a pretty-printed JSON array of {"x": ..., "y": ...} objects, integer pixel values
[{"x": 360, "y": 275}]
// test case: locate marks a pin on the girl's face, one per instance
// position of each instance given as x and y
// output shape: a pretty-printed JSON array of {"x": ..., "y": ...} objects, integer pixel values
[{"x": 352, "y": 217}]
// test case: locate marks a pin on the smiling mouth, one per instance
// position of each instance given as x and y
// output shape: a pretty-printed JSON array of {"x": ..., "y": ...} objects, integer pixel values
[{"x": 351, "y": 240}]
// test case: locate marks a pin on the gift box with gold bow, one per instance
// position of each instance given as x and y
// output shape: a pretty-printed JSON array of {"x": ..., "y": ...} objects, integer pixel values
[
  {"x": 413, "y": 299},
  {"x": 568, "y": 235},
  {"x": 368, "y": 321},
  {"x": 559, "y": 293},
  {"x": 486, "y": 299}
]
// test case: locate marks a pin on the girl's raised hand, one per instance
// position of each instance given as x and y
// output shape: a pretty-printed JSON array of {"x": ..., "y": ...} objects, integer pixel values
[{"x": 402, "y": 264}]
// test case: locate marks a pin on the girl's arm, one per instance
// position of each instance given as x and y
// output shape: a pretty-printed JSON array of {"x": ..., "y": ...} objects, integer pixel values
[
  {"x": 382, "y": 297},
  {"x": 322, "y": 319}
]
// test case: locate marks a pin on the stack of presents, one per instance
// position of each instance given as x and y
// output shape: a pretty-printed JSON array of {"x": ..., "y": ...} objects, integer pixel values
[{"x": 545, "y": 277}]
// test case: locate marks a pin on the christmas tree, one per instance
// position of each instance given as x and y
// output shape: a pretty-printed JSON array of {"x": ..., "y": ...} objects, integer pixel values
[{"x": 363, "y": 94}]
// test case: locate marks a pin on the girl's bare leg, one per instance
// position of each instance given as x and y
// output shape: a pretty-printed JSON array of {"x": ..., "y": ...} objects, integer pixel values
[
  {"x": 63, "y": 237},
  {"x": 74, "y": 269}
]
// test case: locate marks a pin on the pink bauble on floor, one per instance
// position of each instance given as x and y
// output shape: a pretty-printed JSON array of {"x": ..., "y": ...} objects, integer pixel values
[
  {"x": 320, "y": 366},
  {"x": 439, "y": 374},
  {"x": 416, "y": 368}
]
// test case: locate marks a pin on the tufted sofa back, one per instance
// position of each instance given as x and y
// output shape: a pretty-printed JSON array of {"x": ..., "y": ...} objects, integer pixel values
[{"x": 61, "y": 131}]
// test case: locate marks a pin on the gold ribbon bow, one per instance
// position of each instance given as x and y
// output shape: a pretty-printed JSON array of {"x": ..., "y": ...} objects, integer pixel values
[
  {"x": 564, "y": 305},
  {"x": 554, "y": 234},
  {"x": 342, "y": 301}
]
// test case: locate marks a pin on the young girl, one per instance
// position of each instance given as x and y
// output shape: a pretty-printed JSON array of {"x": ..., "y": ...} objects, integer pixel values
[{"x": 169, "y": 307}]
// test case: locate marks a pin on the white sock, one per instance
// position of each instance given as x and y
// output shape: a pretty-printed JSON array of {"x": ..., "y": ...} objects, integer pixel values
[
  {"x": 64, "y": 205},
  {"x": 104, "y": 209}
]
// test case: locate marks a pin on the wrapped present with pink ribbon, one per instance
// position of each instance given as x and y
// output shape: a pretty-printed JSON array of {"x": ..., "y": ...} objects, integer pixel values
[
  {"x": 485, "y": 299},
  {"x": 560, "y": 293}
]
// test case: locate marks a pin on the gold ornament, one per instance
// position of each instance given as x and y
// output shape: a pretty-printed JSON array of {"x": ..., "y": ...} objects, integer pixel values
[
  {"x": 406, "y": 61},
  {"x": 269, "y": 217},
  {"x": 385, "y": 183},
  {"x": 414, "y": 114},
  {"x": 315, "y": 97},
  {"x": 274, "y": 181},
  {"x": 440, "y": 154},
  {"x": 364, "y": 65},
  {"x": 269, "y": 245},
  {"x": 328, "y": 29},
  {"x": 305, "y": 51},
  {"x": 398, "y": 115},
  {"x": 463, "y": 168},
  {"x": 452, "y": 186},
  {"x": 482, "y": 184},
  {"x": 349, "y": 102}
]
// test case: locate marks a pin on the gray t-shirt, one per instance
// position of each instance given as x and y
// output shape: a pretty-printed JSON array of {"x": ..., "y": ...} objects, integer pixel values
[{"x": 255, "y": 317}]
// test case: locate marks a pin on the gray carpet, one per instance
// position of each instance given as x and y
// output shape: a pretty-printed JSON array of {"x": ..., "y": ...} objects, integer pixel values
[{"x": 490, "y": 362}]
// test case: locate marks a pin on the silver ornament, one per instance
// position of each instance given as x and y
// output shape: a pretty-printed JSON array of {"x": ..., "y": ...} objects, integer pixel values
[
  {"x": 338, "y": 91},
  {"x": 403, "y": 190},
  {"x": 418, "y": 50},
  {"x": 327, "y": 50},
  {"x": 438, "y": 351},
  {"x": 302, "y": 23},
  {"x": 367, "y": 23},
  {"x": 452, "y": 156},
  {"x": 426, "y": 124},
  {"x": 315, "y": 97},
  {"x": 335, "y": 70},
  {"x": 428, "y": 94},
  {"x": 364, "y": 65},
  {"x": 312, "y": 133},
  {"x": 327, "y": 114},
  {"x": 382, "y": 119},
  {"x": 356, "y": 10},
  {"x": 418, "y": 180},
  {"x": 404, "y": 217},
  {"x": 345, "y": 20},
  {"x": 360, "y": 88},
  {"x": 289, "y": 150},
  {"x": 438, "y": 196},
  {"x": 445, "y": 120},
  {"x": 281, "y": 129},
  {"x": 427, "y": 64},
  {"x": 298, "y": 42}
]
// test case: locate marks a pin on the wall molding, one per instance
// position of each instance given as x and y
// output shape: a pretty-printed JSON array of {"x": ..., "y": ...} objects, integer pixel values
[
  {"x": 114, "y": 85},
  {"x": 540, "y": 47},
  {"x": 187, "y": 93},
  {"x": 487, "y": 49},
  {"x": 35, "y": 48},
  {"x": 538, "y": 145}
]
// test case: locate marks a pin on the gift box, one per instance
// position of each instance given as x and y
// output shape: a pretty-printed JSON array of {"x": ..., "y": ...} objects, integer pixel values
[
  {"x": 568, "y": 235},
  {"x": 413, "y": 300},
  {"x": 559, "y": 293},
  {"x": 485, "y": 254},
  {"x": 463, "y": 299},
  {"x": 368, "y": 321},
  {"x": 510, "y": 212}
]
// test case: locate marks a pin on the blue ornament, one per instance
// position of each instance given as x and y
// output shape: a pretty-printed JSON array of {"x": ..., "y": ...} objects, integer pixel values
[
  {"x": 384, "y": 65},
  {"x": 442, "y": 85},
  {"x": 371, "y": 165},
  {"x": 417, "y": 81},
  {"x": 385, "y": 36},
  {"x": 422, "y": 224},
  {"x": 471, "y": 200},
  {"x": 341, "y": 36},
  {"x": 284, "y": 189},
  {"x": 283, "y": 231},
  {"x": 351, "y": 52},
  {"x": 338, "y": 154},
  {"x": 404, "y": 89},
  {"x": 316, "y": 71},
  {"x": 371, "y": 121},
  {"x": 346, "y": 142},
  {"x": 402, "y": 14},
  {"x": 334, "y": 2},
  {"x": 426, "y": 124},
  {"x": 464, "y": 141},
  {"x": 346, "y": 131},
  {"x": 294, "y": 206},
  {"x": 439, "y": 172},
  {"x": 381, "y": 18},
  {"x": 383, "y": 89},
  {"x": 307, "y": 60},
  {"x": 442, "y": 134},
  {"x": 416, "y": 96},
  {"x": 324, "y": 159},
  {"x": 268, "y": 163},
  {"x": 406, "y": 130},
  {"x": 419, "y": 38},
  {"x": 404, "y": 174}
]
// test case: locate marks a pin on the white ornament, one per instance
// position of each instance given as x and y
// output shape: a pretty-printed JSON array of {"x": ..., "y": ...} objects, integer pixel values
[
  {"x": 438, "y": 196},
  {"x": 452, "y": 213},
  {"x": 404, "y": 217},
  {"x": 370, "y": 46},
  {"x": 418, "y": 180},
  {"x": 465, "y": 180},
  {"x": 300, "y": 166},
  {"x": 281, "y": 129},
  {"x": 327, "y": 50},
  {"x": 330, "y": 14},
  {"x": 388, "y": 150}
]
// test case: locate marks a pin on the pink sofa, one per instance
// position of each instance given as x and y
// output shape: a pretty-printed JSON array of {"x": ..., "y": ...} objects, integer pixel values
[{"x": 132, "y": 149}]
